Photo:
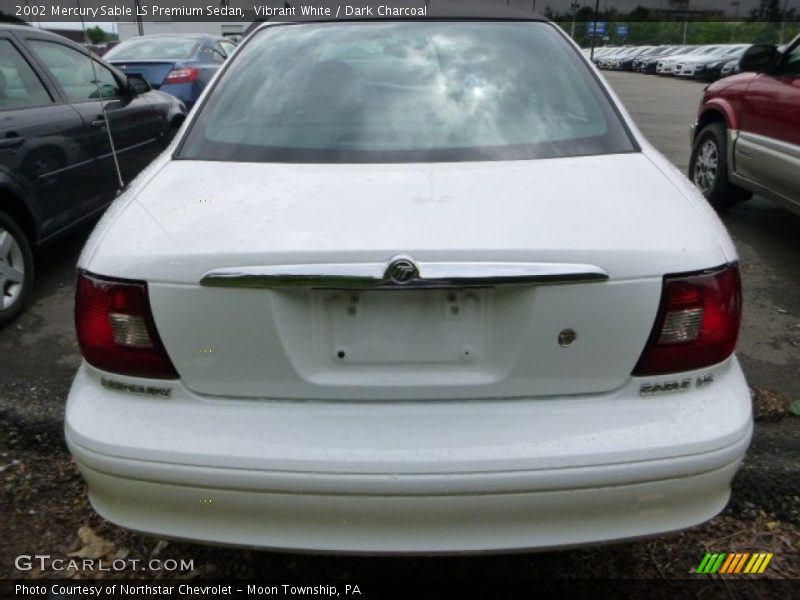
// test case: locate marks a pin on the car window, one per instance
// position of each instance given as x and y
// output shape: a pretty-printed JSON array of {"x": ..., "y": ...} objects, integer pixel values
[
  {"x": 228, "y": 48},
  {"x": 791, "y": 63},
  {"x": 155, "y": 47},
  {"x": 20, "y": 87},
  {"x": 405, "y": 91},
  {"x": 209, "y": 54},
  {"x": 74, "y": 71}
]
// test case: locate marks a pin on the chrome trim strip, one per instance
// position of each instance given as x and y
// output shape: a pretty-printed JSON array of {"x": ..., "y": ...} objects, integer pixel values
[
  {"x": 330, "y": 275},
  {"x": 128, "y": 148},
  {"x": 380, "y": 275},
  {"x": 64, "y": 169}
]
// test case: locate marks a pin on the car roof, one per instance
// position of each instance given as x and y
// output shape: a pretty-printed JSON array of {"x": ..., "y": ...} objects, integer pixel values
[
  {"x": 44, "y": 32},
  {"x": 16, "y": 26},
  {"x": 197, "y": 37},
  {"x": 451, "y": 10},
  {"x": 36, "y": 30},
  {"x": 174, "y": 35}
]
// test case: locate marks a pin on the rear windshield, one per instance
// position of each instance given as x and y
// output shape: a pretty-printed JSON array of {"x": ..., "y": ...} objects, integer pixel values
[
  {"x": 152, "y": 48},
  {"x": 405, "y": 91}
]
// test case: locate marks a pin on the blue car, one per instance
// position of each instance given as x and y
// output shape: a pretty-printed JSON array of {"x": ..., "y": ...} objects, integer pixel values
[{"x": 178, "y": 64}]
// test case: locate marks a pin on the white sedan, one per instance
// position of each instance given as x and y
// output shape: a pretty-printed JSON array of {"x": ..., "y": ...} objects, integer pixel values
[{"x": 409, "y": 286}]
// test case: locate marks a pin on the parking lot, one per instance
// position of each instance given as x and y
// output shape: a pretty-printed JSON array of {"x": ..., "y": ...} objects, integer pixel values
[{"x": 44, "y": 503}]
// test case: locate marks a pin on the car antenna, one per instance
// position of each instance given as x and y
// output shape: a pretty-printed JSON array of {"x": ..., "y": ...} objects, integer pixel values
[{"x": 102, "y": 103}]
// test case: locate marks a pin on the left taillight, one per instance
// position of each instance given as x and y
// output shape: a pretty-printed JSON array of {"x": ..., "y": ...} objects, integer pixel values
[{"x": 116, "y": 330}]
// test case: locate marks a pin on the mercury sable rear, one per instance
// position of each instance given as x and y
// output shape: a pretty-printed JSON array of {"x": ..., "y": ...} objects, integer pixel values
[{"x": 409, "y": 286}]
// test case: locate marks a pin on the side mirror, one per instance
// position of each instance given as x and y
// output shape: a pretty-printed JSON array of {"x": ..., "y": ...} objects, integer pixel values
[
  {"x": 138, "y": 85},
  {"x": 759, "y": 58}
]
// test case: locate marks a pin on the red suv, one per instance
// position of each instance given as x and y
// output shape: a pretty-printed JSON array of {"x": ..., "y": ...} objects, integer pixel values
[{"x": 747, "y": 135}]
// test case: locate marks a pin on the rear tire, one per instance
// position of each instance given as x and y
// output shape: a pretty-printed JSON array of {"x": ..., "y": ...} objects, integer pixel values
[
  {"x": 16, "y": 269},
  {"x": 708, "y": 168}
]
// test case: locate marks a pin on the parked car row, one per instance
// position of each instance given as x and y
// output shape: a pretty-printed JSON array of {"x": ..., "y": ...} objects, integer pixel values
[
  {"x": 707, "y": 62},
  {"x": 746, "y": 138}
]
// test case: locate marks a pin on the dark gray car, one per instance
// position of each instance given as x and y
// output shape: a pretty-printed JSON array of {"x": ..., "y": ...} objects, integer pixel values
[{"x": 57, "y": 105}]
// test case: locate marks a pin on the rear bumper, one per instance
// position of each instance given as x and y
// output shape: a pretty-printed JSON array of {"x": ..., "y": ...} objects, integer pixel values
[
  {"x": 361, "y": 477},
  {"x": 185, "y": 92},
  {"x": 428, "y": 523}
]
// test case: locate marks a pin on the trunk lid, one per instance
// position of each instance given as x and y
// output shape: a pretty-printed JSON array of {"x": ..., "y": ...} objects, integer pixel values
[
  {"x": 621, "y": 215},
  {"x": 154, "y": 71}
]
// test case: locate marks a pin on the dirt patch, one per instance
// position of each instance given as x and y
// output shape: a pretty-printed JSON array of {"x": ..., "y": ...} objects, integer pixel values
[{"x": 769, "y": 405}]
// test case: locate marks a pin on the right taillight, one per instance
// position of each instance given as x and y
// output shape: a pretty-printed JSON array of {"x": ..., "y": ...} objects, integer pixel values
[
  {"x": 116, "y": 330},
  {"x": 697, "y": 323}
]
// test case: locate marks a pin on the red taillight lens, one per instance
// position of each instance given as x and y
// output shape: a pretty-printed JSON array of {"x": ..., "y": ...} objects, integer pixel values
[
  {"x": 697, "y": 323},
  {"x": 116, "y": 331},
  {"x": 182, "y": 75}
]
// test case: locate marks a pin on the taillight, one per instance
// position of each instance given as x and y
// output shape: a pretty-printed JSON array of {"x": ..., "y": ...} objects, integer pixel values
[
  {"x": 697, "y": 323},
  {"x": 182, "y": 75},
  {"x": 116, "y": 331}
]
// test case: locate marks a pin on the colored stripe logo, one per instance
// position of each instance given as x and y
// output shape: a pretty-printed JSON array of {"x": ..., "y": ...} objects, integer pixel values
[{"x": 735, "y": 562}]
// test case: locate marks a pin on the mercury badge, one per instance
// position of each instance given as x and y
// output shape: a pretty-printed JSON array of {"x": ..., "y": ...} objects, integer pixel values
[{"x": 401, "y": 270}]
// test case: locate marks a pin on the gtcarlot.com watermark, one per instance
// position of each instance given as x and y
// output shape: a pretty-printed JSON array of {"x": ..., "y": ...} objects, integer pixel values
[{"x": 44, "y": 562}]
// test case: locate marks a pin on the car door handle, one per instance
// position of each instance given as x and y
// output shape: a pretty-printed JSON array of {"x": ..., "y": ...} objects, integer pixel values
[
  {"x": 11, "y": 142},
  {"x": 99, "y": 123}
]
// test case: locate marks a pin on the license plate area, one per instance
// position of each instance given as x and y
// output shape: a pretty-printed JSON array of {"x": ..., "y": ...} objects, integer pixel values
[{"x": 403, "y": 327}]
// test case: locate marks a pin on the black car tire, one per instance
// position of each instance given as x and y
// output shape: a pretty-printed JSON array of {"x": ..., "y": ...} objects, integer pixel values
[
  {"x": 708, "y": 168},
  {"x": 22, "y": 252}
]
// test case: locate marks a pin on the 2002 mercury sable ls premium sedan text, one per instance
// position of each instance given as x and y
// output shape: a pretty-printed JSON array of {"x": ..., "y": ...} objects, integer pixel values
[{"x": 409, "y": 286}]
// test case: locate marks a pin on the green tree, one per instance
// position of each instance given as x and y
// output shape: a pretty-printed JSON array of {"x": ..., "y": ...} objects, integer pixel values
[
  {"x": 767, "y": 10},
  {"x": 96, "y": 35}
]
